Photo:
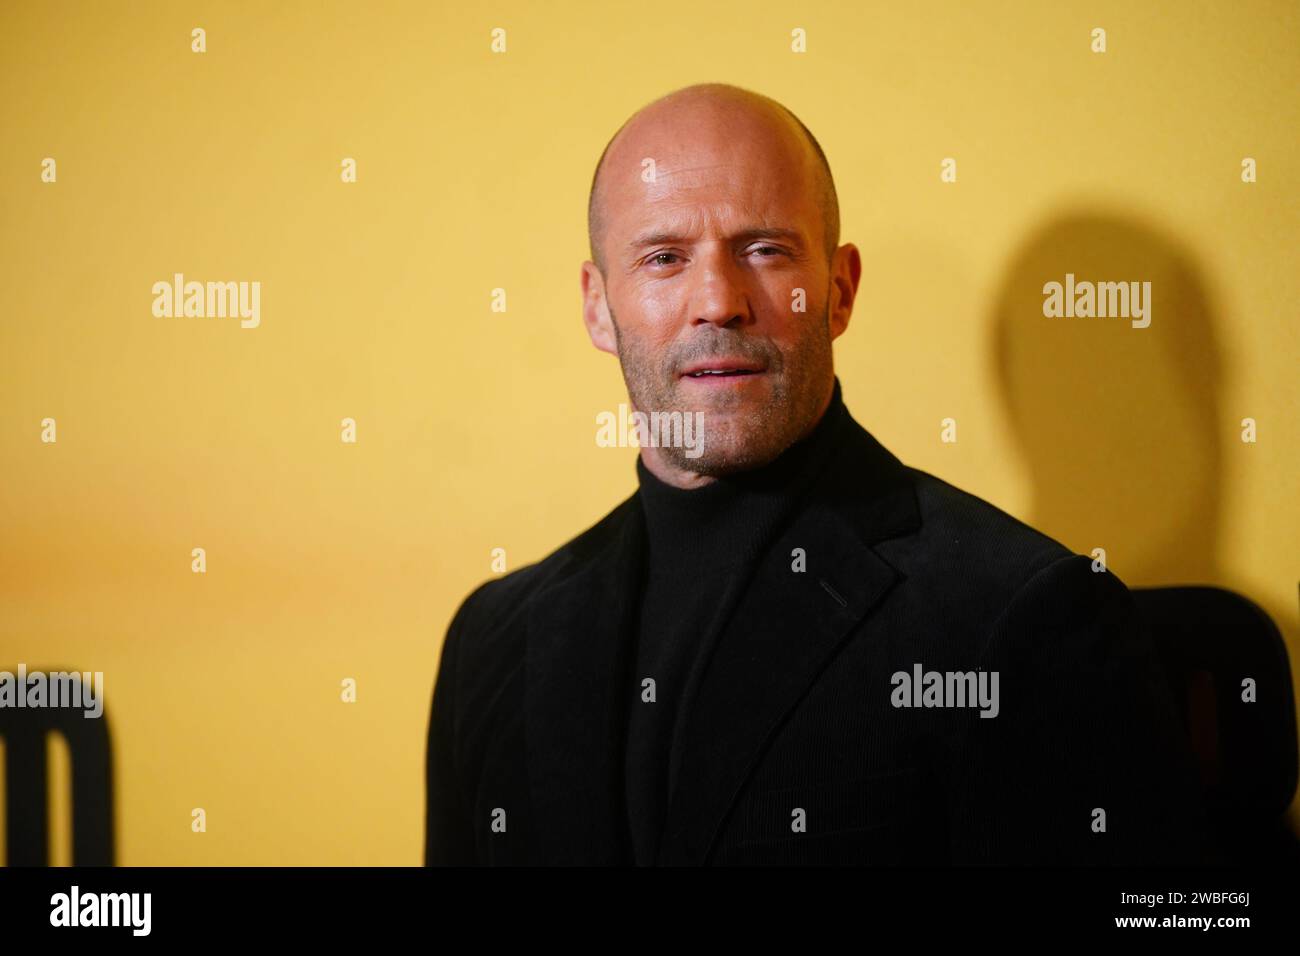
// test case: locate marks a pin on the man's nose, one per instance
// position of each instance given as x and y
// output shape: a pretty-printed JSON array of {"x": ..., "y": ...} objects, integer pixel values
[{"x": 719, "y": 294}]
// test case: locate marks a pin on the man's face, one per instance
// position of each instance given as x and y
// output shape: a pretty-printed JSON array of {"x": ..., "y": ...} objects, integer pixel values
[{"x": 716, "y": 286}]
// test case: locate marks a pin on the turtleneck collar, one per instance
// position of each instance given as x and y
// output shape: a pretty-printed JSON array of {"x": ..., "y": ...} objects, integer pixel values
[{"x": 732, "y": 514}]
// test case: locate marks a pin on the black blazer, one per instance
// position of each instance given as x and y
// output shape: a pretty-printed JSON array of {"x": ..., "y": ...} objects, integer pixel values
[{"x": 796, "y": 708}]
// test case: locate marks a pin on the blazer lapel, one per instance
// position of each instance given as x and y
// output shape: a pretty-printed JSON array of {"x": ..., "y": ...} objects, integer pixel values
[
  {"x": 785, "y": 630},
  {"x": 579, "y": 640}
]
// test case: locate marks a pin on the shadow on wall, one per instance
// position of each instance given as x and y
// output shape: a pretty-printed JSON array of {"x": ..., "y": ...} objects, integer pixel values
[{"x": 1122, "y": 428}]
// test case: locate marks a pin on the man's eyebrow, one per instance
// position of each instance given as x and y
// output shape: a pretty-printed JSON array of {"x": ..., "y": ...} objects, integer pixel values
[{"x": 745, "y": 235}]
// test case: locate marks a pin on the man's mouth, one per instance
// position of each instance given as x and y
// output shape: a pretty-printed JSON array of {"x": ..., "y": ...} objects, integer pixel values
[{"x": 722, "y": 369}]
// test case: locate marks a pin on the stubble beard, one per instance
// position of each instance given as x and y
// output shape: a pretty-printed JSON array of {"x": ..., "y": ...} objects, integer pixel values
[{"x": 738, "y": 434}]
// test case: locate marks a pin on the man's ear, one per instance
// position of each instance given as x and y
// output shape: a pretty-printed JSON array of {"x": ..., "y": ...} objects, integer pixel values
[
  {"x": 846, "y": 271},
  {"x": 595, "y": 310}
]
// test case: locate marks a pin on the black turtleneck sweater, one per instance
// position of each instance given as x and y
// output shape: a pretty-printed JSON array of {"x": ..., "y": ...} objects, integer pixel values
[{"x": 703, "y": 547}]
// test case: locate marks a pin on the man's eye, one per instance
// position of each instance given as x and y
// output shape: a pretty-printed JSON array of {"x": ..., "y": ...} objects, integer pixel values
[
  {"x": 773, "y": 249},
  {"x": 655, "y": 259}
]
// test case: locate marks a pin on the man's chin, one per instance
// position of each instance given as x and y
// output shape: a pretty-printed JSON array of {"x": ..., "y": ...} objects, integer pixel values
[
  {"x": 720, "y": 459},
  {"x": 738, "y": 398}
]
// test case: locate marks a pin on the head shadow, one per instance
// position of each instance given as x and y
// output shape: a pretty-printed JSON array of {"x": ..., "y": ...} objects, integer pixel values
[{"x": 1120, "y": 427}]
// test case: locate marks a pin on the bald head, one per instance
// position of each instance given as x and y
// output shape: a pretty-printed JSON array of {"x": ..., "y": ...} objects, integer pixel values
[{"x": 706, "y": 112}]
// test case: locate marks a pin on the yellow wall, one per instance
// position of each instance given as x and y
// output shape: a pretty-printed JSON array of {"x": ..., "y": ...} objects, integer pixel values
[{"x": 476, "y": 429}]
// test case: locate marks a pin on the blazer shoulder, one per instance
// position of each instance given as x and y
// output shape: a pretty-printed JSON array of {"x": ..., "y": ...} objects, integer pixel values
[
  {"x": 978, "y": 540},
  {"x": 494, "y": 602}
]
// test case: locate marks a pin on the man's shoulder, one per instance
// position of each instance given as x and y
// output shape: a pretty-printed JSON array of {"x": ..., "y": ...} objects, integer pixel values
[
  {"x": 947, "y": 508},
  {"x": 933, "y": 521},
  {"x": 494, "y": 602},
  {"x": 975, "y": 568},
  {"x": 973, "y": 542},
  {"x": 936, "y": 524}
]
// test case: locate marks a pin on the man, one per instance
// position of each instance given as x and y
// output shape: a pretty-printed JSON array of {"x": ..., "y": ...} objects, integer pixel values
[{"x": 786, "y": 647}]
